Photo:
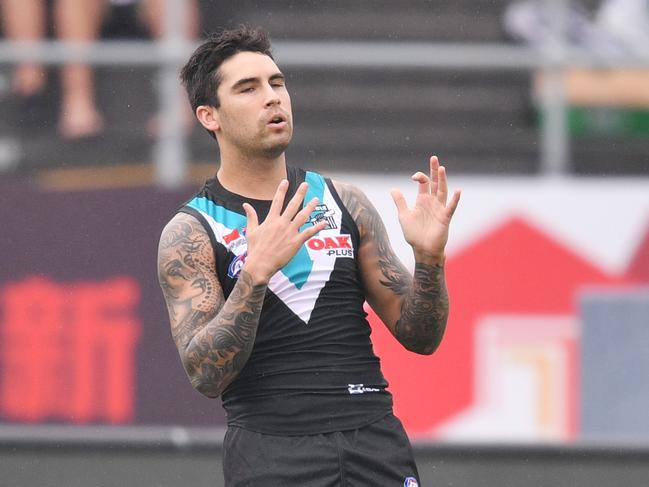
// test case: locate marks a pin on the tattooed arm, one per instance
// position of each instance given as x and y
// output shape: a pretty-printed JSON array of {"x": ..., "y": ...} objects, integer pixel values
[
  {"x": 414, "y": 308},
  {"x": 215, "y": 336}
]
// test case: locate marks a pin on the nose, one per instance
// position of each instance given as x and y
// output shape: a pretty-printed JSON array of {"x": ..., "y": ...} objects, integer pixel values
[{"x": 272, "y": 98}]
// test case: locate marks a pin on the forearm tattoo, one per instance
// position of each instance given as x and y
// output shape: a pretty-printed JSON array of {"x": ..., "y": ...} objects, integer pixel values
[
  {"x": 219, "y": 351},
  {"x": 424, "y": 307},
  {"x": 394, "y": 275},
  {"x": 424, "y": 310},
  {"x": 214, "y": 336}
]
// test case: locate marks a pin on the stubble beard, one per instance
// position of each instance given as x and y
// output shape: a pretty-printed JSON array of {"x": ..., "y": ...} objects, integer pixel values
[
  {"x": 274, "y": 151},
  {"x": 267, "y": 151},
  {"x": 262, "y": 145}
]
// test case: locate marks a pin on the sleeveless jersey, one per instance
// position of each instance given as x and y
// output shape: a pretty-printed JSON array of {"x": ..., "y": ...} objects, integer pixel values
[{"x": 312, "y": 368}]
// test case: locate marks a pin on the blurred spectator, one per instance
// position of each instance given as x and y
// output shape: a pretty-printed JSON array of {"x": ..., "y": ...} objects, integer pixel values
[
  {"x": 534, "y": 22},
  {"x": 615, "y": 27},
  {"x": 627, "y": 21},
  {"x": 75, "y": 21}
]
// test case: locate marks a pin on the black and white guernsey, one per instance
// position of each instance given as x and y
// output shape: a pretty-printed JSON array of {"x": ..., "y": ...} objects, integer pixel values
[{"x": 312, "y": 368}]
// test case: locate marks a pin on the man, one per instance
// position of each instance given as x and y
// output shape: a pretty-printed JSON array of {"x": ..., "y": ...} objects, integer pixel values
[{"x": 265, "y": 273}]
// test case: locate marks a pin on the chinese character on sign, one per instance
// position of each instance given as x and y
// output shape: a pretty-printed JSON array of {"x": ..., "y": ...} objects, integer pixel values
[{"x": 67, "y": 351}]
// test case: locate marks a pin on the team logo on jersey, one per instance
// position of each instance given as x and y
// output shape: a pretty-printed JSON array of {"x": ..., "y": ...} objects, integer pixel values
[
  {"x": 410, "y": 482},
  {"x": 232, "y": 236},
  {"x": 322, "y": 212},
  {"x": 336, "y": 246},
  {"x": 235, "y": 266},
  {"x": 235, "y": 240}
]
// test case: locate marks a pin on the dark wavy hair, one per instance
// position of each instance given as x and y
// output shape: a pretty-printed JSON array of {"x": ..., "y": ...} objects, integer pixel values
[{"x": 201, "y": 77}]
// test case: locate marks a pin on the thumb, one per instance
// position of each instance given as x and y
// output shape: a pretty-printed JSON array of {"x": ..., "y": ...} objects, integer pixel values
[
  {"x": 399, "y": 200},
  {"x": 452, "y": 206},
  {"x": 251, "y": 216}
]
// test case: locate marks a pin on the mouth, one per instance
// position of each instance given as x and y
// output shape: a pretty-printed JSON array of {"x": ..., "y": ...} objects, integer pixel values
[{"x": 278, "y": 121}]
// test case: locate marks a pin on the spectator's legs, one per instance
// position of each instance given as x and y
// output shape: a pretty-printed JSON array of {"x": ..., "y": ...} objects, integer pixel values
[
  {"x": 24, "y": 20},
  {"x": 152, "y": 13},
  {"x": 78, "y": 20}
]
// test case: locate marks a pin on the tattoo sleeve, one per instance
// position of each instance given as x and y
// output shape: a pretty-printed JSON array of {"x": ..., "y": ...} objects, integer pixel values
[
  {"x": 423, "y": 296},
  {"x": 214, "y": 336},
  {"x": 424, "y": 310}
]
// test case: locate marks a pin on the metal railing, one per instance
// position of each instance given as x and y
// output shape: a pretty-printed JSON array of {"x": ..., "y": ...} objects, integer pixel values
[
  {"x": 191, "y": 438},
  {"x": 171, "y": 52}
]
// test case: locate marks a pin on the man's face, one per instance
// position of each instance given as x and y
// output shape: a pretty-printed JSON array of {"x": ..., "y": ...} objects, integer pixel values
[{"x": 255, "y": 107}]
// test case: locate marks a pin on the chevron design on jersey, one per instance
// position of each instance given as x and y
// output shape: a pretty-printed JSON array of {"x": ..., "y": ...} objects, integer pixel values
[{"x": 299, "y": 283}]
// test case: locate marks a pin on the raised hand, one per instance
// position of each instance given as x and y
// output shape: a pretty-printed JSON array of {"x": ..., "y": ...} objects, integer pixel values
[
  {"x": 274, "y": 242},
  {"x": 425, "y": 225}
]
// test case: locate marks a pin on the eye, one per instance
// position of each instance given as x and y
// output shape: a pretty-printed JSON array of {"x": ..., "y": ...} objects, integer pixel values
[
  {"x": 247, "y": 90},
  {"x": 174, "y": 268}
]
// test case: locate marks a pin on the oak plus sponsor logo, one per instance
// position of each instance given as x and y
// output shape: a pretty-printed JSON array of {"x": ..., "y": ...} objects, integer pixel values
[
  {"x": 323, "y": 212},
  {"x": 336, "y": 246},
  {"x": 361, "y": 389}
]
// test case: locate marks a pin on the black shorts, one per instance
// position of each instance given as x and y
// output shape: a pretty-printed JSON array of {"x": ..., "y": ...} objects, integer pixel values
[{"x": 376, "y": 455}]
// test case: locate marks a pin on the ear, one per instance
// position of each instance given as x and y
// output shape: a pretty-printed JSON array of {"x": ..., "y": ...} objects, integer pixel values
[{"x": 208, "y": 117}]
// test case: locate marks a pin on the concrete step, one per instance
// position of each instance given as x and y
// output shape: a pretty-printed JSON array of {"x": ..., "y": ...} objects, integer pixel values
[
  {"x": 464, "y": 20},
  {"x": 403, "y": 137},
  {"x": 403, "y": 97}
]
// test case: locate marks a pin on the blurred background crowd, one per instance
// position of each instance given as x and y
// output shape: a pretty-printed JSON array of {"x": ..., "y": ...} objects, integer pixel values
[{"x": 350, "y": 112}]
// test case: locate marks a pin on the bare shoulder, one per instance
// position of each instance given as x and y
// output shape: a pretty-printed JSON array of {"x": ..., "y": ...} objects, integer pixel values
[
  {"x": 187, "y": 275},
  {"x": 359, "y": 206},
  {"x": 184, "y": 245},
  {"x": 352, "y": 197},
  {"x": 180, "y": 228}
]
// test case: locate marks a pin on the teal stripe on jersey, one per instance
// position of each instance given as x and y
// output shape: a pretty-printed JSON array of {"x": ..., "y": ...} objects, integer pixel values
[
  {"x": 222, "y": 215},
  {"x": 299, "y": 267},
  {"x": 316, "y": 187}
]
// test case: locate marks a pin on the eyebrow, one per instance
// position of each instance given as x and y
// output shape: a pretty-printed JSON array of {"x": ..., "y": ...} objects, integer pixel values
[{"x": 244, "y": 81}]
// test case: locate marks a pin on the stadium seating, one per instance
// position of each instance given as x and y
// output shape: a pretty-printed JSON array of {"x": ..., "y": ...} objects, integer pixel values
[{"x": 478, "y": 121}]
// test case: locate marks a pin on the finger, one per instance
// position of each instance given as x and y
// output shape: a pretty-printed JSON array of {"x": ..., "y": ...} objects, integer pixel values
[
  {"x": 251, "y": 217},
  {"x": 278, "y": 199},
  {"x": 434, "y": 178},
  {"x": 423, "y": 180},
  {"x": 452, "y": 206},
  {"x": 304, "y": 215},
  {"x": 442, "y": 189},
  {"x": 296, "y": 202},
  {"x": 309, "y": 232},
  {"x": 399, "y": 200}
]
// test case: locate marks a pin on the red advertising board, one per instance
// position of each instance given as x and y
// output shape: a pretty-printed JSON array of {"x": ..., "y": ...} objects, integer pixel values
[{"x": 84, "y": 336}]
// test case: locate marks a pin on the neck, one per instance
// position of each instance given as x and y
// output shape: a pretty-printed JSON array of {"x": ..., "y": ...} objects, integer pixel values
[{"x": 256, "y": 178}]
